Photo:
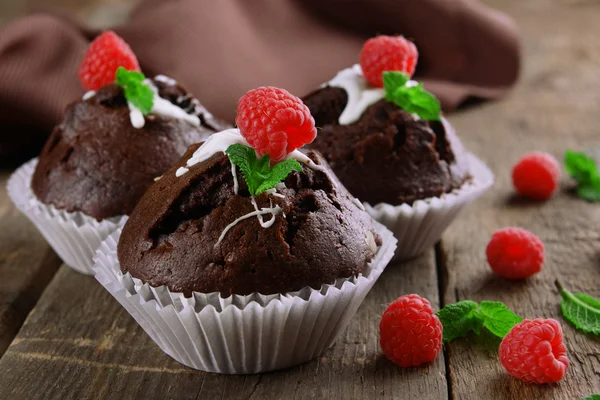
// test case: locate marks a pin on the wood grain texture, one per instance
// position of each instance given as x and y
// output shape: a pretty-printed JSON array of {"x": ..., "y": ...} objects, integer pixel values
[
  {"x": 26, "y": 266},
  {"x": 86, "y": 346},
  {"x": 554, "y": 108}
]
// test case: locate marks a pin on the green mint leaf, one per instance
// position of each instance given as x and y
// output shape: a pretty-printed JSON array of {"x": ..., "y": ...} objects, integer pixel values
[
  {"x": 413, "y": 99},
  {"x": 136, "y": 92},
  {"x": 459, "y": 319},
  {"x": 589, "y": 191},
  {"x": 245, "y": 158},
  {"x": 592, "y": 397},
  {"x": 583, "y": 169},
  {"x": 417, "y": 100},
  {"x": 582, "y": 310},
  {"x": 393, "y": 80},
  {"x": 278, "y": 173},
  {"x": 258, "y": 174},
  {"x": 124, "y": 77},
  {"x": 497, "y": 318},
  {"x": 580, "y": 166}
]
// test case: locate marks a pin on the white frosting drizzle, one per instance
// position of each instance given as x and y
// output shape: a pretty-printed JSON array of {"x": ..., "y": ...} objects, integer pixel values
[
  {"x": 88, "y": 95},
  {"x": 358, "y": 204},
  {"x": 258, "y": 212},
  {"x": 180, "y": 171},
  {"x": 220, "y": 141},
  {"x": 270, "y": 222},
  {"x": 136, "y": 116},
  {"x": 236, "y": 186},
  {"x": 166, "y": 80},
  {"x": 360, "y": 94},
  {"x": 162, "y": 107}
]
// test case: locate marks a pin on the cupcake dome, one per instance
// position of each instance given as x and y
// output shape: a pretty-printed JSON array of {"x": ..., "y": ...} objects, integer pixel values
[
  {"x": 98, "y": 163},
  {"x": 198, "y": 229},
  {"x": 387, "y": 155}
]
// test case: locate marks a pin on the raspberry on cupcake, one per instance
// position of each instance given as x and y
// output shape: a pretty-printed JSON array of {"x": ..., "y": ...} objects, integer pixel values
[
  {"x": 385, "y": 138},
  {"x": 110, "y": 147}
]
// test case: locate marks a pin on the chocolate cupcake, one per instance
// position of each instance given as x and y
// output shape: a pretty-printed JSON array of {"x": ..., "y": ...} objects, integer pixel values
[
  {"x": 98, "y": 163},
  {"x": 109, "y": 148},
  {"x": 387, "y": 155},
  {"x": 386, "y": 140},
  {"x": 258, "y": 237}
]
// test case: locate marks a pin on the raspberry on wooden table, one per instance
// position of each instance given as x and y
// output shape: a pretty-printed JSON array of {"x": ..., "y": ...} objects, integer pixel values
[
  {"x": 536, "y": 175},
  {"x": 104, "y": 55},
  {"x": 274, "y": 122},
  {"x": 387, "y": 53},
  {"x": 515, "y": 253},
  {"x": 410, "y": 333},
  {"x": 533, "y": 351}
]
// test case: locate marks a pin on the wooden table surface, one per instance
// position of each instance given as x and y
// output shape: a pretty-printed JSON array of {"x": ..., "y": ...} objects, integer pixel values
[{"x": 62, "y": 336}]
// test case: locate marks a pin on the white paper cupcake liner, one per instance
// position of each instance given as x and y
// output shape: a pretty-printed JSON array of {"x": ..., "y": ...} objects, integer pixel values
[
  {"x": 73, "y": 236},
  {"x": 241, "y": 334},
  {"x": 420, "y": 225}
]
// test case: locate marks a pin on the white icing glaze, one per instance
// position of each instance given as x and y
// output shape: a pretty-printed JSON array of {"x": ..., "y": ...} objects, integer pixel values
[
  {"x": 360, "y": 94},
  {"x": 273, "y": 192},
  {"x": 180, "y": 171},
  {"x": 220, "y": 141},
  {"x": 88, "y": 95},
  {"x": 236, "y": 186},
  {"x": 303, "y": 159},
  {"x": 162, "y": 107},
  {"x": 167, "y": 109},
  {"x": 216, "y": 143},
  {"x": 136, "y": 117},
  {"x": 270, "y": 222},
  {"x": 358, "y": 203},
  {"x": 166, "y": 80}
]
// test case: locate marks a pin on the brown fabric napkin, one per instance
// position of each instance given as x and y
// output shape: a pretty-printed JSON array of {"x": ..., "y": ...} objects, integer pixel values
[{"x": 221, "y": 49}]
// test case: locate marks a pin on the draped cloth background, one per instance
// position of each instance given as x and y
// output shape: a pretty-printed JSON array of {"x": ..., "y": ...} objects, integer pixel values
[{"x": 220, "y": 49}]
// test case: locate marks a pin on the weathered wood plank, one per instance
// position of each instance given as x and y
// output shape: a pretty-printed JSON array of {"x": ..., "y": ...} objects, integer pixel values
[
  {"x": 555, "y": 107},
  {"x": 26, "y": 266},
  {"x": 86, "y": 346}
]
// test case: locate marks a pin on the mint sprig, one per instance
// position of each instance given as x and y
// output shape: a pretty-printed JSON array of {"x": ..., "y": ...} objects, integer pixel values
[
  {"x": 465, "y": 316},
  {"x": 413, "y": 99},
  {"x": 136, "y": 92},
  {"x": 584, "y": 171},
  {"x": 258, "y": 174},
  {"x": 582, "y": 310},
  {"x": 592, "y": 397}
]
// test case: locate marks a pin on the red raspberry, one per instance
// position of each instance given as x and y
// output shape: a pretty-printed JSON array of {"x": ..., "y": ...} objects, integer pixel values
[
  {"x": 533, "y": 351},
  {"x": 536, "y": 175},
  {"x": 104, "y": 55},
  {"x": 387, "y": 53},
  {"x": 515, "y": 253},
  {"x": 410, "y": 333},
  {"x": 274, "y": 122}
]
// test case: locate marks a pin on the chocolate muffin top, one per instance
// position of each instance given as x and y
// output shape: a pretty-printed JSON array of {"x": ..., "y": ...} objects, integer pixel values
[
  {"x": 192, "y": 232},
  {"x": 98, "y": 163},
  {"x": 387, "y": 155}
]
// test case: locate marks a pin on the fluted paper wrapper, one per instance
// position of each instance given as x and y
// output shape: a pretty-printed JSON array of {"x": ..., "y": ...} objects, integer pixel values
[
  {"x": 74, "y": 236},
  {"x": 241, "y": 334},
  {"x": 420, "y": 225}
]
